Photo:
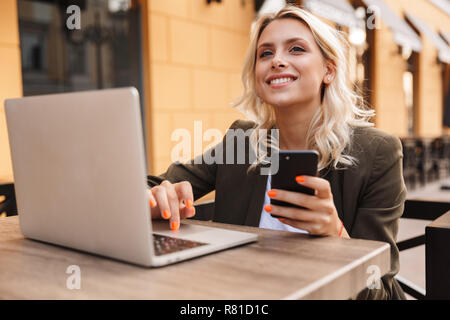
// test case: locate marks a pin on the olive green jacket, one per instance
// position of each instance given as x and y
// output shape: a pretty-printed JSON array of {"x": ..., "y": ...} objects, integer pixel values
[{"x": 369, "y": 197}]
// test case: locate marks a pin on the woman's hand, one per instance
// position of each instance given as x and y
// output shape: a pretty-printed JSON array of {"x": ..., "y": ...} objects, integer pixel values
[
  {"x": 321, "y": 218},
  {"x": 172, "y": 201}
]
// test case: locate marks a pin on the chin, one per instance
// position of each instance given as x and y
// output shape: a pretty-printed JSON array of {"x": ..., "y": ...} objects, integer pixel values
[
  {"x": 282, "y": 103},
  {"x": 283, "y": 99},
  {"x": 289, "y": 101}
]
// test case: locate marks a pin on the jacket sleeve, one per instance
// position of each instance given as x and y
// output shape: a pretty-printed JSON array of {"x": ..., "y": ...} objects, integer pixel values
[
  {"x": 380, "y": 208},
  {"x": 200, "y": 171},
  {"x": 201, "y": 175}
]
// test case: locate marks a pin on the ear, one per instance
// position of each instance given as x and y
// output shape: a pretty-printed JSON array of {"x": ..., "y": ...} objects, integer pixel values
[{"x": 330, "y": 71}]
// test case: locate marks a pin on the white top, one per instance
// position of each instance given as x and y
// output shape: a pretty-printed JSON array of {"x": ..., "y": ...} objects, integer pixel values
[{"x": 267, "y": 221}]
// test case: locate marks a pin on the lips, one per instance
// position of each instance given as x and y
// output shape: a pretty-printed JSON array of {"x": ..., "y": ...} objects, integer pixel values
[{"x": 280, "y": 79}]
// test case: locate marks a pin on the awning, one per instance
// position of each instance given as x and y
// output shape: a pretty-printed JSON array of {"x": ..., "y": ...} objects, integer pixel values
[
  {"x": 442, "y": 48},
  {"x": 271, "y": 6},
  {"x": 444, "y": 5},
  {"x": 445, "y": 36},
  {"x": 404, "y": 35},
  {"x": 339, "y": 11}
]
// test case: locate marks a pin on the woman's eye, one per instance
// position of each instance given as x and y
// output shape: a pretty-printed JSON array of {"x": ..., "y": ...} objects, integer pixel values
[
  {"x": 297, "y": 49},
  {"x": 264, "y": 54}
]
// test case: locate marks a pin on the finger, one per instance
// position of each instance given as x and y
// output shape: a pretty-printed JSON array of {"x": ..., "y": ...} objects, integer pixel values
[
  {"x": 303, "y": 215},
  {"x": 307, "y": 226},
  {"x": 322, "y": 186},
  {"x": 186, "y": 197},
  {"x": 152, "y": 201},
  {"x": 297, "y": 198},
  {"x": 163, "y": 207},
  {"x": 174, "y": 204}
]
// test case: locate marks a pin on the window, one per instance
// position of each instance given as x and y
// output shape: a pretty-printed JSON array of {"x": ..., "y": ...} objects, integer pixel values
[{"x": 105, "y": 52}]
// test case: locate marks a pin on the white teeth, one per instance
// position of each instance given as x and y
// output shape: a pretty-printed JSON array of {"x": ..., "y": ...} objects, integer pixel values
[{"x": 281, "y": 80}]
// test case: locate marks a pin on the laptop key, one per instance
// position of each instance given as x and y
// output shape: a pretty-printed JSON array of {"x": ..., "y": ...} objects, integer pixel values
[{"x": 165, "y": 244}]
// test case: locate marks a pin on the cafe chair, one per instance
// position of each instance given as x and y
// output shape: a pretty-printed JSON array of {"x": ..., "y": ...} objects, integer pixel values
[
  {"x": 436, "y": 239},
  {"x": 204, "y": 211},
  {"x": 8, "y": 199}
]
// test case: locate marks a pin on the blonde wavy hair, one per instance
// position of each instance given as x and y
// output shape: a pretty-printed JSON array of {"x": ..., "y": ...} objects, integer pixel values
[{"x": 342, "y": 109}]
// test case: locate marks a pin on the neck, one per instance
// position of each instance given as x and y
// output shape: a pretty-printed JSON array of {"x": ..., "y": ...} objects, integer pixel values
[{"x": 293, "y": 123}]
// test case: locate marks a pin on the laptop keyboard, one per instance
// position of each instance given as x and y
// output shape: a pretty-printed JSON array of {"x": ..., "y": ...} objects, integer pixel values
[{"x": 166, "y": 244}]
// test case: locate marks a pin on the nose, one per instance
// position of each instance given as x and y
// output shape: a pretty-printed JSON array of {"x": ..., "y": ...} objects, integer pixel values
[{"x": 278, "y": 62}]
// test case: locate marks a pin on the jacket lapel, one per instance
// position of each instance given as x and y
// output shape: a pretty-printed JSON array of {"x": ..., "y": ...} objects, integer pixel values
[{"x": 257, "y": 197}]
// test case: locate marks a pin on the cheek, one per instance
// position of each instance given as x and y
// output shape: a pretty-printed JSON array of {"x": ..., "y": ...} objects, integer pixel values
[
  {"x": 314, "y": 72},
  {"x": 311, "y": 80},
  {"x": 259, "y": 80}
]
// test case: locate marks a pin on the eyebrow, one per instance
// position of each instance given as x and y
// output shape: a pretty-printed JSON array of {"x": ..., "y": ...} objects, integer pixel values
[{"x": 270, "y": 44}]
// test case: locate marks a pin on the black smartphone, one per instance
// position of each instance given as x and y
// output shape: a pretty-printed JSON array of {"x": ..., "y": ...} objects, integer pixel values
[{"x": 291, "y": 164}]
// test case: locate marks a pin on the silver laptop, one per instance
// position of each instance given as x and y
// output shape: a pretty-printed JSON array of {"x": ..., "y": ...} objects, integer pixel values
[{"x": 80, "y": 180}]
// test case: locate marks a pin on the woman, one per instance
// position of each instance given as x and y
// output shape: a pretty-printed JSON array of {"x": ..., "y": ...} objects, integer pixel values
[{"x": 295, "y": 80}]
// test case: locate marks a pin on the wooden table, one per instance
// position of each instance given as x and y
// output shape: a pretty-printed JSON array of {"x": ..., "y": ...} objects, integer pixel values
[
  {"x": 281, "y": 265},
  {"x": 431, "y": 192},
  {"x": 425, "y": 203},
  {"x": 428, "y": 202}
]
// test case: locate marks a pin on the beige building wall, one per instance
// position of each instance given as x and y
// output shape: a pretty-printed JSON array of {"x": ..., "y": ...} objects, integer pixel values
[
  {"x": 195, "y": 54},
  {"x": 388, "y": 96},
  {"x": 429, "y": 112},
  {"x": 431, "y": 94},
  {"x": 10, "y": 76}
]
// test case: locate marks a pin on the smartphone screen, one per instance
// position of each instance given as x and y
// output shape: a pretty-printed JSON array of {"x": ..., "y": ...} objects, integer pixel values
[{"x": 294, "y": 163}]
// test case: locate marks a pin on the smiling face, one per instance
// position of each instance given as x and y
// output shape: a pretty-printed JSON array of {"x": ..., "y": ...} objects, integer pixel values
[{"x": 290, "y": 67}]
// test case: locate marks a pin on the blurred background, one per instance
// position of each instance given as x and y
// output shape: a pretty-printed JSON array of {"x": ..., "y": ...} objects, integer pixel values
[{"x": 185, "y": 58}]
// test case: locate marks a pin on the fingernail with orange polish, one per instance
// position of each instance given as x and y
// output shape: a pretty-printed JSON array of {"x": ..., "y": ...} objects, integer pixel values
[
  {"x": 174, "y": 225},
  {"x": 272, "y": 193},
  {"x": 268, "y": 207},
  {"x": 300, "y": 179},
  {"x": 166, "y": 214},
  {"x": 189, "y": 203},
  {"x": 152, "y": 203}
]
